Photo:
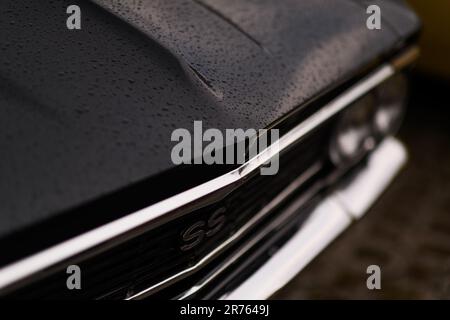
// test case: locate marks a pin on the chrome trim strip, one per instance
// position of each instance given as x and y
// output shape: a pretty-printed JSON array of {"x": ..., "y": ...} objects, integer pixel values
[
  {"x": 357, "y": 197},
  {"x": 280, "y": 221},
  {"x": 326, "y": 222},
  {"x": 49, "y": 257},
  {"x": 258, "y": 217}
]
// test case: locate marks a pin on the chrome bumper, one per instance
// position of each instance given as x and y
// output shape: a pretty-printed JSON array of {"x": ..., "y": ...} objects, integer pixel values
[{"x": 350, "y": 201}]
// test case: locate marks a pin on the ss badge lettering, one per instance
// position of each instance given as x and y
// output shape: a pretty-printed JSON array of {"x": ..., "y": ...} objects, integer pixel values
[{"x": 201, "y": 230}]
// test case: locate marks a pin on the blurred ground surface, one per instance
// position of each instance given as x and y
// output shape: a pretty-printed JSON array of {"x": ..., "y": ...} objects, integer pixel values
[{"x": 407, "y": 233}]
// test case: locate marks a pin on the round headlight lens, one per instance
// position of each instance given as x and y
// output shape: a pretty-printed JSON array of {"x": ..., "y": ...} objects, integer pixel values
[
  {"x": 368, "y": 120},
  {"x": 391, "y": 97},
  {"x": 353, "y": 135}
]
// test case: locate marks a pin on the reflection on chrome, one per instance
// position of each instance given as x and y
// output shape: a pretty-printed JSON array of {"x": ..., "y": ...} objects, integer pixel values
[{"x": 351, "y": 201}]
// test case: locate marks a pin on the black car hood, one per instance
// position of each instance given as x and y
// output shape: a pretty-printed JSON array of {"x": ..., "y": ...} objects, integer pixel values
[{"x": 87, "y": 112}]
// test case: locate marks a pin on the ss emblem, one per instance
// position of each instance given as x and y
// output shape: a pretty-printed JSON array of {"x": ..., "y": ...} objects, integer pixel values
[{"x": 200, "y": 230}]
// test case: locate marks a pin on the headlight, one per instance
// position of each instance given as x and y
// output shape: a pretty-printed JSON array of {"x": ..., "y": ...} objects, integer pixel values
[
  {"x": 354, "y": 132},
  {"x": 391, "y": 97},
  {"x": 368, "y": 120}
]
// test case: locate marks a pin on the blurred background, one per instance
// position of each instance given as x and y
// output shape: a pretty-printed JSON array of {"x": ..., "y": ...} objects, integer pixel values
[{"x": 407, "y": 233}]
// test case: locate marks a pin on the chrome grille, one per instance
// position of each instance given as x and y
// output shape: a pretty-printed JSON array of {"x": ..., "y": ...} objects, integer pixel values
[{"x": 155, "y": 255}]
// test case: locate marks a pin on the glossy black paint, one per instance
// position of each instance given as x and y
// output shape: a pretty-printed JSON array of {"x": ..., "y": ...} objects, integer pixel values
[{"x": 87, "y": 113}]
